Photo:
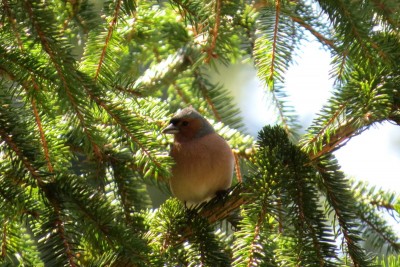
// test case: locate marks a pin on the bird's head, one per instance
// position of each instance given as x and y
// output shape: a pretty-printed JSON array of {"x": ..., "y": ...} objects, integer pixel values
[{"x": 188, "y": 124}]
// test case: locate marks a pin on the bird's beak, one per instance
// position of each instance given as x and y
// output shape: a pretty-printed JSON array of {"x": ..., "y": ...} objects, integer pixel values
[{"x": 171, "y": 129}]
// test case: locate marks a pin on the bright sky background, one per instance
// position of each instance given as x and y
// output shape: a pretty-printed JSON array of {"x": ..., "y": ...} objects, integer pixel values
[{"x": 373, "y": 156}]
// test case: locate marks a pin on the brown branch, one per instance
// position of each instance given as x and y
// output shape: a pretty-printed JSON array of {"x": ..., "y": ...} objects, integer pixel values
[
  {"x": 209, "y": 101},
  {"x": 211, "y": 104},
  {"x": 305, "y": 220},
  {"x": 342, "y": 64},
  {"x": 363, "y": 43},
  {"x": 275, "y": 38},
  {"x": 343, "y": 134},
  {"x": 35, "y": 85},
  {"x": 43, "y": 140},
  {"x": 314, "y": 32},
  {"x": 129, "y": 91},
  {"x": 12, "y": 20},
  {"x": 214, "y": 31},
  {"x": 109, "y": 34},
  {"x": 237, "y": 167},
  {"x": 261, "y": 218},
  {"x": 286, "y": 126},
  {"x": 115, "y": 117},
  {"x": 387, "y": 11},
  {"x": 331, "y": 120},
  {"x": 4, "y": 240},
  {"x": 46, "y": 45},
  {"x": 42, "y": 136},
  {"x": 180, "y": 93},
  {"x": 382, "y": 204},
  {"x": 219, "y": 210},
  {"x": 14, "y": 147},
  {"x": 393, "y": 243},
  {"x": 61, "y": 231},
  {"x": 214, "y": 211}
]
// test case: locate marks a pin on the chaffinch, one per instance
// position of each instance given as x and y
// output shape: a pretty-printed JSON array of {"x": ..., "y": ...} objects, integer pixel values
[{"x": 203, "y": 159}]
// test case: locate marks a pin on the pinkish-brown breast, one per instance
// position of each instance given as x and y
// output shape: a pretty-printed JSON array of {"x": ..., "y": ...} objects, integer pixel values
[{"x": 202, "y": 167}]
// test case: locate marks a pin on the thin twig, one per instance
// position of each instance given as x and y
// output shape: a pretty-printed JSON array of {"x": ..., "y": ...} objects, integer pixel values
[
  {"x": 314, "y": 32},
  {"x": 275, "y": 38},
  {"x": 59, "y": 69},
  {"x": 214, "y": 31},
  {"x": 109, "y": 34}
]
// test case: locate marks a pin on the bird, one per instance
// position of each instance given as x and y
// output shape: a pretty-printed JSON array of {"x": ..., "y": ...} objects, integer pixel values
[{"x": 204, "y": 161}]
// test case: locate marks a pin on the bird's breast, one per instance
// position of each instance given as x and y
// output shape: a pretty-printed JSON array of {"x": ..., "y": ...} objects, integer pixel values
[{"x": 202, "y": 167}]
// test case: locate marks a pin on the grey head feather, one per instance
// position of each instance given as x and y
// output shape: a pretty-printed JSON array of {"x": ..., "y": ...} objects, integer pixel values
[{"x": 191, "y": 113}]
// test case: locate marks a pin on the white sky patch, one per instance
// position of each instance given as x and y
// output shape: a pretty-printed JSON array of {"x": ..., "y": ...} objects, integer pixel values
[{"x": 373, "y": 156}]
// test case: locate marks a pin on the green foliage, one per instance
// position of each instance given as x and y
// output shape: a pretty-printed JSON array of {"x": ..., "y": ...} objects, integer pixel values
[
  {"x": 375, "y": 228},
  {"x": 285, "y": 217},
  {"x": 87, "y": 86},
  {"x": 392, "y": 261}
]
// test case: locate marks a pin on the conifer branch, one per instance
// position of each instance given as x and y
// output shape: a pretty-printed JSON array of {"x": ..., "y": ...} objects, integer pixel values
[
  {"x": 330, "y": 122},
  {"x": 380, "y": 204},
  {"x": 117, "y": 119},
  {"x": 25, "y": 161},
  {"x": 341, "y": 135},
  {"x": 190, "y": 11},
  {"x": 314, "y": 32},
  {"x": 129, "y": 91},
  {"x": 280, "y": 213},
  {"x": 42, "y": 136},
  {"x": 107, "y": 40},
  {"x": 4, "y": 240},
  {"x": 39, "y": 124},
  {"x": 217, "y": 210},
  {"x": 173, "y": 83},
  {"x": 126, "y": 206},
  {"x": 55, "y": 61},
  {"x": 12, "y": 21},
  {"x": 214, "y": 32},
  {"x": 281, "y": 112},
  {"x": 304, "y": 220},
  {"x": 333, "y": 180},
  {"x": 37, "y": 117},
  {"x": 104, "y": 229},
  {"x": 274, "y": 42},
  {"x": 237, "y": 167},
  {"x": 256, "y": 235},
  {"x": 35, "y": 85},
  {"x": 395, "y": 245},
  {"x": 386, "y": 11},
  {"x": 68, "y": 250},
  {"x": 180, "y": 93},
  {"x": 56, "y": 102},
  {"x": 204, "y": 92},
  {"x": 361, "y": 39},
  {"x": 342, "y": 65}
]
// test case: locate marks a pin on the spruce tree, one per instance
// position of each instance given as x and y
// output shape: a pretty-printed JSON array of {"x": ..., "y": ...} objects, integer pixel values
[{"x": 86, "y": 88}]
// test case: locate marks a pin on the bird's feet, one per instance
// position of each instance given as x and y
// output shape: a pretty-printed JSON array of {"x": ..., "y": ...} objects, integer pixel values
[{"x": 221, "y": 195}]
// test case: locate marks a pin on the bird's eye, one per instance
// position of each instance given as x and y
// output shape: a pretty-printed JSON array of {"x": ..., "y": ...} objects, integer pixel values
[
  {"x": 174, "y": 121},
  {"x": 185, "y": 123}
]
